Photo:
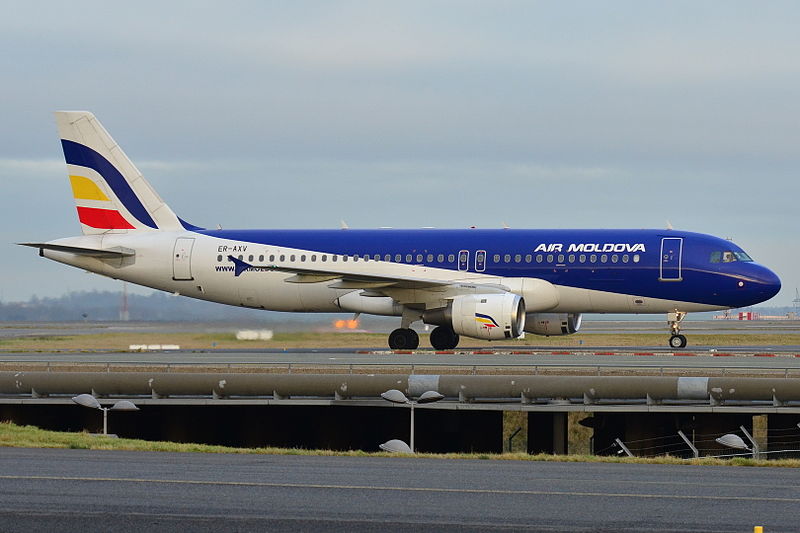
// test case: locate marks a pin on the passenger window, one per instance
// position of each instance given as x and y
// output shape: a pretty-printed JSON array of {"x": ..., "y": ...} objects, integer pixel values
[
  {"x": 571, "y": 258},
  {"x": 430, "y": 258},
  {"x": 582, "y": 258},
  {"x": 272, "y": 258},
  {"x": 250, "y": 258},
  {"x": 635, "y": 258},
  {"x": 560, "y": 258},
  {"x": 334, "y": 258},
  {"x": 528, "y": 258},
  {"x": 518, "y": 258},
  {"x": 409, "y": 258},
  {"x": 604, "y": 258},
  {"x": 324, "y": 258},
  {"x": 303, "y": 258},
  {"x": 313, "y": 258},
  {"x": 283, "y": 258},
  {"x": 377, "y": 257},
  {"x": 260, "y": 258},
  {"x": 539, "y": 258},
  {"x": 625, "y": 258},
  {"x": 291, "y": 258},
  {"x": 355, "y": 258},
  {"x": 344, "y": 259},
  {"x": 507, "y": 258},
  {"x": 496, "y": 258},
  {"x": 451, "y": 258},
  {"x": 219, "y": 259},
  {"x": 419, "y": 258},
  {"x": 440, "y": 258},
  {"x": 549, "y": 258},
  {"x": 593, "y": 258},
  {"x": 614, "y": 258},
  {"x": 398, "y": 258}
]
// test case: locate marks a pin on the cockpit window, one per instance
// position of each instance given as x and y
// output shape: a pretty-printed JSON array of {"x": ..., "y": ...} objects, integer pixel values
[{"x": 729, "y": 256}]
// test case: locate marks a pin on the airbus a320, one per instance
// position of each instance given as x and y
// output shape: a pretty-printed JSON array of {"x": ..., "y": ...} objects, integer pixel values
[{"x": 480, "y": 283}]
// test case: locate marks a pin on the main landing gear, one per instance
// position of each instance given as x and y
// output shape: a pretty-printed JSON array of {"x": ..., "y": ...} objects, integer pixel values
[
  {"x": 403, "y": 339},
  {"x": 676, "y": 340},
  {"x": 444, "y": 338}
]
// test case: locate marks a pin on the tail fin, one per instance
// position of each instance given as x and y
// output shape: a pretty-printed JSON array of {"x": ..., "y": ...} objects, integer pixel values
[{"x": 111, "y": 195}]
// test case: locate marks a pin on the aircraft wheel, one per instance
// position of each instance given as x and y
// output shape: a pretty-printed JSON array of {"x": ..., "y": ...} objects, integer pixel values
[
  {"x": 677, "y": 341},
  {"x": 444, "y": 338},
  {"x": 403, "y": 339}
]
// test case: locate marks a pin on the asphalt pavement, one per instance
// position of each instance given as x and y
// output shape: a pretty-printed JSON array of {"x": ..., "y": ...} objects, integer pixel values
[{"x": 84, "y": 490}]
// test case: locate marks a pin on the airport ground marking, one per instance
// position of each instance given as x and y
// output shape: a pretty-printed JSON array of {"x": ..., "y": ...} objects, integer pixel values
[{"x": 446, "y": 490}]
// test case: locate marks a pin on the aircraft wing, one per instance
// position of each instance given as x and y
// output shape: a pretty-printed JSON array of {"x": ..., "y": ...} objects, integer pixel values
[{"x": 345, "y": 279}]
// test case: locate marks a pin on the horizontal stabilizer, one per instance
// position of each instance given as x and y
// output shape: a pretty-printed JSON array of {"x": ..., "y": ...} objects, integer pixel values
[{"x": 117, "y": 251}]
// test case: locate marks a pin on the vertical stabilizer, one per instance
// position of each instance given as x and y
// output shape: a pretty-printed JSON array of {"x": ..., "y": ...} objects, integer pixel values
[{"x": 111, "y": 195}]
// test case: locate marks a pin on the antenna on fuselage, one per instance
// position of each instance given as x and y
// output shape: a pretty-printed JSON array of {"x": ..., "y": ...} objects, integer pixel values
[
  {"x": 669, "y": 225},
  {"x": 343, "y": 224}
]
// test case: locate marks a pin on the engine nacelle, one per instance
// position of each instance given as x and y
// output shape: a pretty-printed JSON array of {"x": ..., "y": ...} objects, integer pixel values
[
  {"x": 553, "y": 323},
  {"x": 482, "y": 316},
  {"x": 356, "y": 302}
]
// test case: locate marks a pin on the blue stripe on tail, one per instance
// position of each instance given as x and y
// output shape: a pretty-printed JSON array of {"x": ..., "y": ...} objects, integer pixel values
[{"x": 80, "y": 155}]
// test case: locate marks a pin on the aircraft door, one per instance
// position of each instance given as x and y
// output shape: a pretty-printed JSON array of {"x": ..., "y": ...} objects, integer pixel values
[
  {"x": 671, "y": 257},
  {"x": 463, "y": 260},
  {"x": 480, "y": 261},
  {"x": 182, "y": 259}
]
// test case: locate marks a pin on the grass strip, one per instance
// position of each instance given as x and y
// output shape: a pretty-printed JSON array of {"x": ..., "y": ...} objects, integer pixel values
[{"x": 14, "y": 436}]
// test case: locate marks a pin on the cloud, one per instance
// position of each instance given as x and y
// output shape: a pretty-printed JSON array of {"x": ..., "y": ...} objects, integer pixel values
[{"x": 32, "y": 168}]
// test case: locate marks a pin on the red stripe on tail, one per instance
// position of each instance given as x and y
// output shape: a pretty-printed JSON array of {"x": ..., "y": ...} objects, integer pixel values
[{"x": 102, "y": 218}]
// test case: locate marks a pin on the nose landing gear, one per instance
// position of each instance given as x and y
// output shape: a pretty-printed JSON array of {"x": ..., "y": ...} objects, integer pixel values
[{"x": 676, "y": 340}]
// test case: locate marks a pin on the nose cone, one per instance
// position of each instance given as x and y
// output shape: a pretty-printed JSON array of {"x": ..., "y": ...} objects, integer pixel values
[{"x": 765, "y": 283}]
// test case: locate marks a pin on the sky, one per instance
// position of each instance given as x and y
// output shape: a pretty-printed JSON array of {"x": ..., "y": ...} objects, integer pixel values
[{"x": 563, "y": 114}]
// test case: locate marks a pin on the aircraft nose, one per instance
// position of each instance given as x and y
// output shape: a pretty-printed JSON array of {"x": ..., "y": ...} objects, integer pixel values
[{"x": 768, "y": 284}]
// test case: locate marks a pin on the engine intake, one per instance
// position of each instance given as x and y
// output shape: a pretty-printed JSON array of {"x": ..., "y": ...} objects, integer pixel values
[
  {"x": 482, "y": 316},
  {"x": 553, "y": 323}
]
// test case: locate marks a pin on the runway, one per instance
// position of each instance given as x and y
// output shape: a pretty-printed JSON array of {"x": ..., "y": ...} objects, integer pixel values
[
  {"x": 507, "y": 361},
  {"x": 71, "y": 490}
]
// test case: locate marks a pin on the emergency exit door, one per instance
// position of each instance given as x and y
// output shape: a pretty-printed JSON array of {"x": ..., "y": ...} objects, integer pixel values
[{"x": 463, "y": 260}]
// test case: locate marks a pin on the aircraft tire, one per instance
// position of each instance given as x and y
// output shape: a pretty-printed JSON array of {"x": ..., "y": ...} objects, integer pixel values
[
  {"x": 444, "y": 338},
  {"x": 677, "y": 341},
  {"x": 403, "y": 339}
]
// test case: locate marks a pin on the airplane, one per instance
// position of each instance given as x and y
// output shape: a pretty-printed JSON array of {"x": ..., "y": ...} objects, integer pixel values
[{"x": 492, "y": 284}]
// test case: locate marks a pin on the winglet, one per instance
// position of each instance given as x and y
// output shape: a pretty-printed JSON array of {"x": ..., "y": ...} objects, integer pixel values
[{"x": 239, "y": 266}]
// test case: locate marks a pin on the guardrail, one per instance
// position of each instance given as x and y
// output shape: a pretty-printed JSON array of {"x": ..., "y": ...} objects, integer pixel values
[
  {"x": 290, "y": 367},
  {"x": 525, "y": 389}
]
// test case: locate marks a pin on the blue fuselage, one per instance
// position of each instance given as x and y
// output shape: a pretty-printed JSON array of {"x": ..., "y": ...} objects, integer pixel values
[{"x": 663, "y": 264}]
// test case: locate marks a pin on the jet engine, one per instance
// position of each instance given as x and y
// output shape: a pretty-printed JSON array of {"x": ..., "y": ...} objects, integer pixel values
[
  {"x": 553, "y": 323},
  {"x": 482, "y": 316}
]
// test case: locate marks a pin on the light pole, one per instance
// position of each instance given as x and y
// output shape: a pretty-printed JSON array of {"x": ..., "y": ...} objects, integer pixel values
[
  {"x": 87, "y": 400},
  {"x": 395, "y": 396}
]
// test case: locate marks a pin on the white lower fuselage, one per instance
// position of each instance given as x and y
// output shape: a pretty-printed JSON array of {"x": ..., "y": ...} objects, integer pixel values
[{"x": 199, "y": 273}]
